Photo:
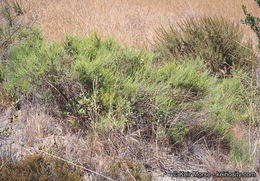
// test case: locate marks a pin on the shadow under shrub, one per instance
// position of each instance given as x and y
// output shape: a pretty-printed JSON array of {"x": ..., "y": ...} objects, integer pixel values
[
  {"x": 217, "y": 41},
  {"x": 37, "y": 167}
]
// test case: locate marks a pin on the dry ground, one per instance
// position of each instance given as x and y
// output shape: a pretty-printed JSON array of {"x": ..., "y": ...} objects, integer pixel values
[
  {"x": 131, "y": 21},
  {"x": 34, "y": 130}
]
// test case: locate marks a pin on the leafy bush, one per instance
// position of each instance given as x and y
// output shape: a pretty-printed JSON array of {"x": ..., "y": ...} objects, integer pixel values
[
  {"x": 34, "y": 65},
  {"x": 164, "y": 90},
  {"x": 12, "y": 31},
  {"x": 252, "y": 21},
  {"x": 105, "y": 70},
  {"x": 120, "y": 82},
  {"x": 105, "y": 85},
  {"x": 230, "y": 101},
  {"x": 37, "y": 168},
  {"x": 106, "y": 54},
  {"x": 178, "y": 131},
  {"x": 9, "y": 28},
  {"x": 216, "y": 41}
]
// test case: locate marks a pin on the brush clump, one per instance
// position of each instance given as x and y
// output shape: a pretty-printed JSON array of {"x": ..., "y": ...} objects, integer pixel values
[
  {"x": 36, "y": 167},
  {"x": 217, "y": 41}
]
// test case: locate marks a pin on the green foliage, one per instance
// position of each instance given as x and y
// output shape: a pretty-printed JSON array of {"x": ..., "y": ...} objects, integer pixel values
[
  {"x": 49, "y": 71},
  {"x": 107, "y": 72},
  {"x": 103, "y": 57},
  {"x": 171, "y": 83},
  {"x": 216, "y": 41},
  {"x": 252, "y": 21},
  {"x": 258, "y": 2},
  {"x": 189, "y": 75},
  {"x": 233, "y": 101},
  {"x": 229, "y": 101},
  {"x": 107, "y": 86},
  {"x": 11, "y": 32},
  {"x": 178, "y": 131},
  {"x": 117, "y": 80},
  {"x": 83, "y": 47},
  {"x": 33, "y": 63},
  {"x": 239, "y": 151},
  {"x": 37, "y": 168},
  {"x": 9, "y": 28}
]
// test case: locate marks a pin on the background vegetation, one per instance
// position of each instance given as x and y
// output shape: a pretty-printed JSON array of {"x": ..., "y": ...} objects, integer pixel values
[
  {"x": 194, "y": 84},
  {"x": 132, "y": 22}
]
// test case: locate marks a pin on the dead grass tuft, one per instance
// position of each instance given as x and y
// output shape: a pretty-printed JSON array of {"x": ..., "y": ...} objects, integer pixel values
[{"x": 109, "y": 152}]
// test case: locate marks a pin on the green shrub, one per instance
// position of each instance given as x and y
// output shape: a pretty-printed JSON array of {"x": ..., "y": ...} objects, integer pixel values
[
  {"x": 85, "y": 48},
  {"x": 170, "y": 79},
  {"x": 233, "y": 101},
  {"x": 217, "y": 41},
  {"x": 10, "y": 27},
  {"x": 252, "y": 21},
  {"x": 32, "y": 63},
  {"x": 11, "y": 31},
  {"x": 229, "y": 101},
  {"x": 99, "y": 69},
  {"x": 41, "y": 70},
  {"x": 101, "y": 80},
  {"x": 178, "y": 131},
  {"x": 106, "y": 70},
  {"x": 104, "y": 54},
  {"x": 164, "y": 90},
  {"x": 189, "y": 75},
  {"x": 37, "y": 168}
]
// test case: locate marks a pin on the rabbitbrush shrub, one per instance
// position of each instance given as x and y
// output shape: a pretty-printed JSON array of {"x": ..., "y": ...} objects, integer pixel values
[
  {"x": 132, "y": 86},
  {"x": 217, "y": 41}
]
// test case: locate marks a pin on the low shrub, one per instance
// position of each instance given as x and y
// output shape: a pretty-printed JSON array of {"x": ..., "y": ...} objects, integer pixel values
[
  {"x": 11, "y": 31},
  {"x": 230, "y": 102},
  {"x": 9, "y": 27},
  {"x": 36, "y": 167},
  {"x": 165, "y": 90},
  {"x": 217, "y": 41},
  {"x": 76, "y": 70},
  {"x": 38, "y": 68},
  {"x": 97, "y": 81}
]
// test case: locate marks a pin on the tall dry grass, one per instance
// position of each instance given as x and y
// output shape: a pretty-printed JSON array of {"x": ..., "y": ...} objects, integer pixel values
[{"x": 131, "y": 21}]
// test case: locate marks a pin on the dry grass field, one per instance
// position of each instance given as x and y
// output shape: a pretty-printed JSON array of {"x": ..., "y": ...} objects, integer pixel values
[{"x": 131, "y": 21}]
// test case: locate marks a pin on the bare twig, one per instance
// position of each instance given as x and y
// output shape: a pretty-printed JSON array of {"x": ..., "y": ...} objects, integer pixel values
[
  {"x": 57, "y": 90},
  {"x": 129, "y": 172},
  {"x": 95, "y": 96}
]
